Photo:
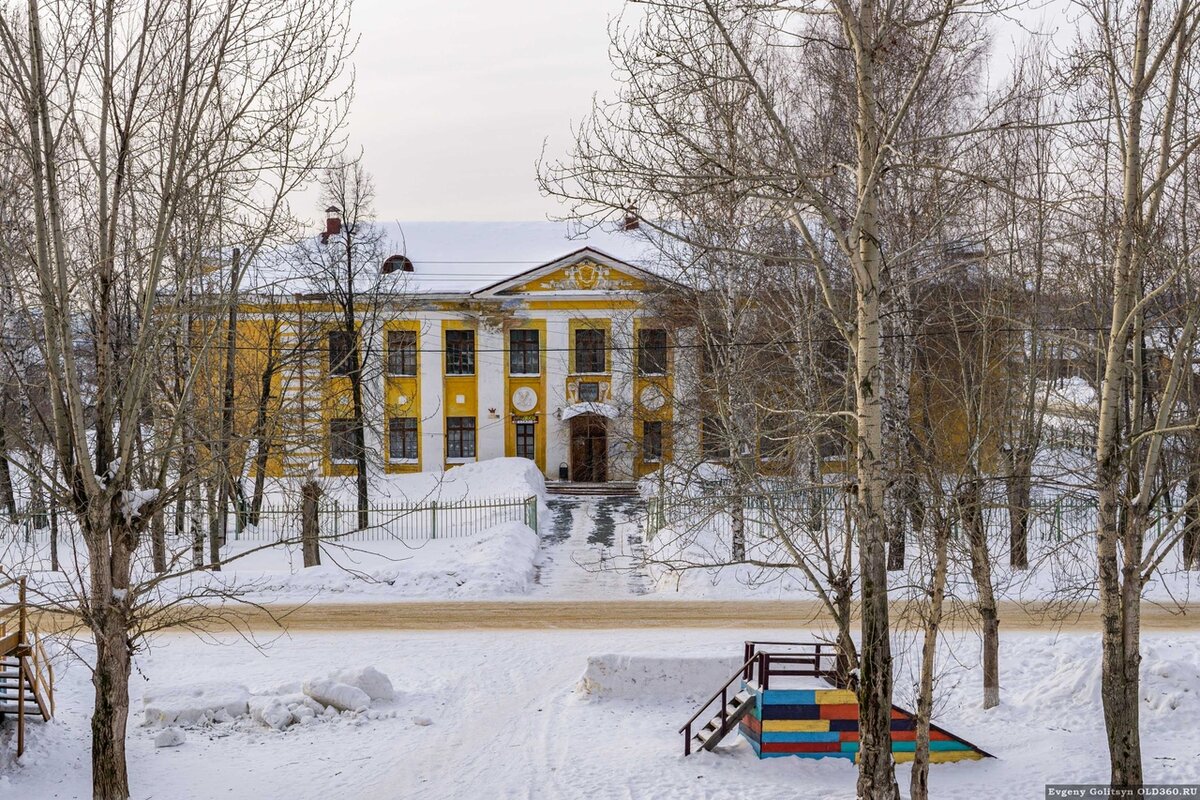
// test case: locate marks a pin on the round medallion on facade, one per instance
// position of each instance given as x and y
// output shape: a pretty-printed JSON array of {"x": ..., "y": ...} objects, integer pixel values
[
  {"x": 652, "y": 397},
  {"x": 524, "y": 399}
]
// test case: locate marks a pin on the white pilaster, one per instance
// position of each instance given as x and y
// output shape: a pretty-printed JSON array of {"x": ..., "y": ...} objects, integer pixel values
[
  {"x": 433, "y": 434},
  {"x": 557, "y": 366},
  {"x": 489, "y": 376}
]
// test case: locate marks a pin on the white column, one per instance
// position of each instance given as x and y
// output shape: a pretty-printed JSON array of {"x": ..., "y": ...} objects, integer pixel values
[
  {"x": 489, "y": 377},
  {"x": 621, "y": 433},
  {"x": 433, "y": 434},
  {"x": 557, "y": 366}
]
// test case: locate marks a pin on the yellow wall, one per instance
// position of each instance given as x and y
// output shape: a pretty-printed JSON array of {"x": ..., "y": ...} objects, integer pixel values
[
  {"x": 454, "y": 386},
  {"x": 402, "y": 395},
  {"x": 666, "y": 385},
  {"x": 535, "y": 382}
]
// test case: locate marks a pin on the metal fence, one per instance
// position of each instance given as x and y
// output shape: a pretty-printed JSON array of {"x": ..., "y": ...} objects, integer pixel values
[
  {"x": 1050, "y": 520},
  {"x": 337, "y": 521}
]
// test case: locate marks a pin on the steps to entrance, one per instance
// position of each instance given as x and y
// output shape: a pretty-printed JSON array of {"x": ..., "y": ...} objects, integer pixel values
[{"x": 610, "y": 489}]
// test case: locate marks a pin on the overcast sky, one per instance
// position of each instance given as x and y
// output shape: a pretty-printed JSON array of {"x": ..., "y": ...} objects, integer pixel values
[{"x": 455, "y": 98}]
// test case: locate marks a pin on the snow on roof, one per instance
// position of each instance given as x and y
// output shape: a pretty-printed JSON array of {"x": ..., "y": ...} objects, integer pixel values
[{"x": 464, "y": 257}]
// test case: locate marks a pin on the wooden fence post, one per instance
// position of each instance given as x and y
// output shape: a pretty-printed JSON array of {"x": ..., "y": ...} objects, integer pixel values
[{"x": 310, "y": 524}]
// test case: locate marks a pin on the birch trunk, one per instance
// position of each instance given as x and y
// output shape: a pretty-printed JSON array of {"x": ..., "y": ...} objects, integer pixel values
[{"x": 919, "y": 782}]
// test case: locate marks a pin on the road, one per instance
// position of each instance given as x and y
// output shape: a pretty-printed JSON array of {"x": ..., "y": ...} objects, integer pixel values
[{"x": 649, "y": 613}]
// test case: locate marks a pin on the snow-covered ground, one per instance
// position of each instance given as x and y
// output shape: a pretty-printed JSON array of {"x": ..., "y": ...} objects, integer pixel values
[
  {"x": 480, "y": 553},
  {"x": 502, "y": 715}
]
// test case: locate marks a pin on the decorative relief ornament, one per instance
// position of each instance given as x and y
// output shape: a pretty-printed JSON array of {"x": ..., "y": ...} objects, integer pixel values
[
  {"x": 652, "y": 397},
  {"x": 524, "y": 399},
  {"x": 585, "y": 276}
]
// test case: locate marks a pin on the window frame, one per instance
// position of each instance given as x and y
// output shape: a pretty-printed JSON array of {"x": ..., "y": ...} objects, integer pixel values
[
  {"x": 348, "y": 431},
  {"x": 659, "y": 428},
  {"x": 344, "y": 366},
  {"x": 407, "y": 353},
  {"x": 409, "y": 425},
  {"x": 713, "y": 444},
  {"x": 460, "y": 357},
  {"x": 456, "y": 428},
  {"x": 525, "y": 352},
  {"x": 661, "y": 352},
  {"x": 526, "y": 431},
  {"x": 590, "y": 352}
]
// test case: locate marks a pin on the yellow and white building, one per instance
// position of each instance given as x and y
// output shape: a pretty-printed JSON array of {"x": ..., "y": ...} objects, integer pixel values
[{"x": 489, "y": 339}]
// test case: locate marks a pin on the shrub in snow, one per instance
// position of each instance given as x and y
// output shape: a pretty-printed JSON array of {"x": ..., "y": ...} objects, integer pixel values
[
  {"x": 370, "y": 680},
  {"x": 185, "y": 705},
  {"x": 169, "y": 737},
  {"x": 335, "y": 694}
]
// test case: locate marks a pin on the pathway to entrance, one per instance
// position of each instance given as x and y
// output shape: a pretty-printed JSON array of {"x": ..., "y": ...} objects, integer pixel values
[{"x": 592, "y": 549}]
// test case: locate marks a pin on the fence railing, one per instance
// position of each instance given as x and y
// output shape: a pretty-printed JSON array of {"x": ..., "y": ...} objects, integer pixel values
[
  {"x": 761, "y": 515},
  {"x": 338, "y": 521}
]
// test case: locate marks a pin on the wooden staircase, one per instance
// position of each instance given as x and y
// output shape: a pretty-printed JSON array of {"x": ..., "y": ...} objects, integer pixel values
[
  {"x": 723, "y": 722},
  {"x": 736, "y": 697},
  {"x": 26, "y": 675}
]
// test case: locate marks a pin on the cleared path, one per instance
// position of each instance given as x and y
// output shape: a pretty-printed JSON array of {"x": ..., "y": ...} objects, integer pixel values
[{"x": 592, "y": 549}]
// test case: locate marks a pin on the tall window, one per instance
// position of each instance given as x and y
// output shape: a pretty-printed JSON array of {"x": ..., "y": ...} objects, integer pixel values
[
  {"x": 589, "y": 350},
  {"x": 460, "y": 437},
  {"x": 402, "y": 352},
  {"x": 402, "y": 439},
  {"x": 460, "y": 352},
  {"x": 652, "y": 351},
  {"x": 342, "y": 447},
  {"x": 713, "y": 443},
  {"x": 523, "y": 357},
  {"x": 652, "y": 441},
  {"x": 341, "y": 353},
  {"x": 526, "y": 440}
]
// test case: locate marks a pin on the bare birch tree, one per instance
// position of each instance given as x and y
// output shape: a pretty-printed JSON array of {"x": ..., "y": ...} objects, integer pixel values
[{"x": 122, "y": 119}]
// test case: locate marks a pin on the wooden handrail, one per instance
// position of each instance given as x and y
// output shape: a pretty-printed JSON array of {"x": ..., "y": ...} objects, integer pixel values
[
  {"x": 765, "y": 659},
  {"x": 716, "y": 694}
]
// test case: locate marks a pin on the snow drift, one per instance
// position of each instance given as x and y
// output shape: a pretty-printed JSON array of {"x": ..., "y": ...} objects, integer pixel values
[{"x": 654, "y": 678}]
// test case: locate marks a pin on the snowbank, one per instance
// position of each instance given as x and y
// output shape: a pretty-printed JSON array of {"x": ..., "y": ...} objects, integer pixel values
[
  {"x": 500, "y": 561},
  {"x": 353, "y": 691},
  {"x": 480, "y": 480},
  {"x": 195, "y": 703},
  {"x": 654, "y": 678}
]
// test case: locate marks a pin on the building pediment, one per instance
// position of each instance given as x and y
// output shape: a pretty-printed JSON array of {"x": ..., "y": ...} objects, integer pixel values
[{"x": 582, "y": 272}]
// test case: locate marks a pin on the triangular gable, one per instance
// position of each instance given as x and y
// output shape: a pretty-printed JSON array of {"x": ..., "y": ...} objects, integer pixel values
[{"x": 585, "y": 270}]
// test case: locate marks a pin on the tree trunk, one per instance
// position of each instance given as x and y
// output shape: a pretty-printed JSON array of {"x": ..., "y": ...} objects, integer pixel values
[
  {"x": 158, "y": 542},
  {"x": 310, "y": 524},
  {"x": 7, "y": 497},
  {"x": 216, "y": 512},
  {"x": 1019, "y": 490},
  {"x": 738, "y": 525},
  {"x": 876, "y": 768},
  {"x": 971, "y": 514},
  {"x": 110, "y": 713},
  {"x": 1191, "y": 514},
  {"x": 54, "y": 565},
  {"x": 919, "y": 784}
]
